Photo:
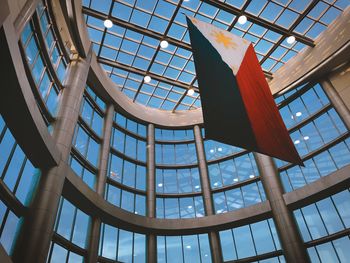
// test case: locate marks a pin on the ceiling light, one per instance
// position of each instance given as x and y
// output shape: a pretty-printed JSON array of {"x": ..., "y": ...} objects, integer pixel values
[
  {"x": 188, "y": 246},
  {"x": 108, "y": 23},
  {"x": 291, "y": 39},
  {"x": 211, "y": 151},
  {"x": 196, "y": 187},
  {"x": 164, "y": 44},
  {"x": 216, "y": 184},
  {"x": 220, "y": 149},
  {"x": 242, "y": 20},
  {"x": 147, "y": 79},
  {"x": 160, "y": 185},
  {"x": 189, "y": 207},
  {"x": 251, "y": 176},
  {"x": 235, "y": 179},
  {"x": 190, "y": 92},
  {"x": 306, "y": 138},
  {"x": 296, "y": 141},
  {"x": 298, "y": 114}
]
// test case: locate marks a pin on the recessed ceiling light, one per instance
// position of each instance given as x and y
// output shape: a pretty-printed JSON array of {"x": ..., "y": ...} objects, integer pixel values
[
  {"x": 220, "y": 149},
  {"x": 147, "y": 79},
  {"x": 189, "y": 207},
  {"x": 211, "y": 151},
  {"x": 306, "y": 138},
  {"x": 108, "y": 23},
  {"x": 296, "y": 141},
  {"x": 188, "y": 246},
  {"x": 160, "y": 185},
  {"x": 242, "y": 20},
  {"x": 291, "y": 39},
  {"x": 190, "y": 92},
  {"x": 164, "y": 44},
  {"x": 298, "y": 114}
]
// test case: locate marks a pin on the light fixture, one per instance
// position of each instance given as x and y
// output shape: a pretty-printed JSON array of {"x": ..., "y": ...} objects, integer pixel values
[
  {"x": 298, "y": 114},
  {"x": 220, "y": 149},
  {"x": 164, "y": 44},
  {"x": 188, "y": 246},
  {"x": 296, "y": 141},
  {"x": 242, "y": 20},
  {"x": 216, "y": 184},
  {"x": 251, "y": 176},
  {"x": 306, "y": 138},
  {"x": 190, "y": 92},
  {"x": 147, "y": 79},
  {"x": 235, "y": 179},
  {"x": 160, "y": 185},
  {"x": 189, "y": 207},
  {"x": 291, "y": 39},
  {"x": 211, "y": 151},
  {"x": 108, "y": 23},
  {"x": 196, "y": 187}
]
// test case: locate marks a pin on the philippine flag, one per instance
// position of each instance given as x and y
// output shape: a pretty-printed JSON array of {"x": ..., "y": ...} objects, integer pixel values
[{"x": 237, "y": 104}]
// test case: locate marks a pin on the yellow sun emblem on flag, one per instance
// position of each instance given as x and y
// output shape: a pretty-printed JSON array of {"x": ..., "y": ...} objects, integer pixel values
[{"x": 221, "y": 38}]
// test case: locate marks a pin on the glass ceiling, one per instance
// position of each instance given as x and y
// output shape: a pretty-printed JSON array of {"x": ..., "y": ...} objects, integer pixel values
[{"x": 130, "y": 49}]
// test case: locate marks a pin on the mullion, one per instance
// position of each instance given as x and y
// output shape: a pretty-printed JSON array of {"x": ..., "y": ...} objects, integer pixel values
[
  {"x": 19, "y": 176},
  {"x": 337, "y": 211},
  {"x": 157, "y": 50},
  {"x": 105, "y": 29},
  {"x": 291, "y": 29},
  {"x": 6, "y": 214},
  {"x": 273, "y": 240},
  {"x": 9, "y": 158},
  {"x": 251, "y": 234}
]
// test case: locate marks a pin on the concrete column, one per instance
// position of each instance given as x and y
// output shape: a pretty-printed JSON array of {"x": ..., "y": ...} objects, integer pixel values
[
  {"x": 337, "y": 101},
  {"x": 291, "y": 241},
  {"x": 203, "y": 171},
  {"x": 94, "y": 240},
  {"x": 34, "y": 240},
  {"x": 101, "y": 183},
  {"x": 105, "y": 149},
  {"x": 208, "y": 203},
  {"x": 151, "y": 248},
  {"x": 151, "y": 192},
  {"x": 151, "y": 170}
]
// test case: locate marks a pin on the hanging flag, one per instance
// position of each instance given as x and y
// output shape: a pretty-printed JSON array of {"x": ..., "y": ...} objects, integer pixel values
[{"x": 237, "y": 104}]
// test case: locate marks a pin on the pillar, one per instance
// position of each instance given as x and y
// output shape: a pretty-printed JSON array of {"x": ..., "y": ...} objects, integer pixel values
[
  {"x": 291, "y": 241},
  {"x": 151, "y": 193},
  {"x": 101, "y": 183},
  {"x": 337, "y": 101},
  {"x": 208, "y": 203},
  {"x": 34, "y": 241}
]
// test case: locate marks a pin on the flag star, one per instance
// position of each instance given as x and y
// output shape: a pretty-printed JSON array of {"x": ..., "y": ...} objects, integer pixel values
[{"x": 221, "y": 38}]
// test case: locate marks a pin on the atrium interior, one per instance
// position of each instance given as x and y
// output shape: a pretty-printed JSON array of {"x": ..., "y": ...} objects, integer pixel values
[{"x": 103, "y": 151}]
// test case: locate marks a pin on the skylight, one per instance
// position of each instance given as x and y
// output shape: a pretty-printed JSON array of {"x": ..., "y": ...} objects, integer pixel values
[{"x": 131, "y": 48}]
